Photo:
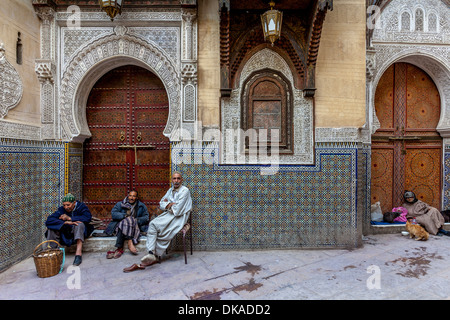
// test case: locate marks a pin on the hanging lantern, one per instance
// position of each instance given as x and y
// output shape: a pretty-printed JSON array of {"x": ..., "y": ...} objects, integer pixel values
[
  {"x": 271, "y": 23},
  {"x": 111, "y": 7}
]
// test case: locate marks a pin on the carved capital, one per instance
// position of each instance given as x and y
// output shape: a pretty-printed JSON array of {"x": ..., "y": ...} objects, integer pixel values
[
  {"x": 45, "y": 70},
  {"x": 45, "y": 13},
  {"x": 189, "y": 73},
  {"x": 189, "y": 16},
  {"x": 371, "y": 64}
]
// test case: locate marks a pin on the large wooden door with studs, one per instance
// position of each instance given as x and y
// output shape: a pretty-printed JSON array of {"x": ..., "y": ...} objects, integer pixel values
[
  {"x": 127, "y": 112},
  {"x": 406, "y": 149}
]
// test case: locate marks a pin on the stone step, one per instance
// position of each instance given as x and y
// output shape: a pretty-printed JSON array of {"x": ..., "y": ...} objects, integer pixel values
[
  {"x": 104, "y": 244},
  {"x": 395, "y": 228}
]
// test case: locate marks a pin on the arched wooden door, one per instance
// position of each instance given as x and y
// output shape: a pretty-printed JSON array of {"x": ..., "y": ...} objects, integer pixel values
[
  {"x": 406, "y": 149},
  {"x": 126, "y": 111}
]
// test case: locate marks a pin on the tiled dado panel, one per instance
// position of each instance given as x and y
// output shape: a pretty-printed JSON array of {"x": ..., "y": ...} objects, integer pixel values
[
  {"x": 75, "y": 170},
  {"x": 304, "y": 206},
  {"x": 446, "y": 174},
  {"x": 364, "y": 176},
  {"x": 31, "y": 188}
]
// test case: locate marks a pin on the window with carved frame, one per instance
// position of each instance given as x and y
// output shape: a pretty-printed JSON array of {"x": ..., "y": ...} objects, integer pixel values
[{"x": 267, "y": 104}]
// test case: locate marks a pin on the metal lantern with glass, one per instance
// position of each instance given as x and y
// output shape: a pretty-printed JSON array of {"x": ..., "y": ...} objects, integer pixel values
[
  {"x": 111, "y": 7},
  {"x": 271, "y": 22}
]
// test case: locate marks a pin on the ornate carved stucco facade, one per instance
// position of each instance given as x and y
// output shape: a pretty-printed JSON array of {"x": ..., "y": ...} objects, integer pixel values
[
  {"x": 85, "y": 54},
  {"x": 418, "y": 33},
  {"x": 76, "y": 46}
]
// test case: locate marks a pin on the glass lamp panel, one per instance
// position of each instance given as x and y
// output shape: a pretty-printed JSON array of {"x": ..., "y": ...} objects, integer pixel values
[{"x": 271, "y": 26}]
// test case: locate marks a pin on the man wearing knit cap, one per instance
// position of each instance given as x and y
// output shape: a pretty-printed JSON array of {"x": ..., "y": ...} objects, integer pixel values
[{"x": 70, "y": 224}]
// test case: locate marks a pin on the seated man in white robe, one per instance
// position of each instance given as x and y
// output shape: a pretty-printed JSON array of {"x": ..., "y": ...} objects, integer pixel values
[{"x": 177, "y": 204}]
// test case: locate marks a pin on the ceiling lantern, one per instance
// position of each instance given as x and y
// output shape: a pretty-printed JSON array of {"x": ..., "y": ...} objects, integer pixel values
[
  {"x": 111, "y": 7},
  {"x": 271, "y": 22}
]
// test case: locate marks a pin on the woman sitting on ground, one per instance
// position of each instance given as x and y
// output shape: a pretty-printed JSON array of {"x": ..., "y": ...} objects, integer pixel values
[{"x": 427, "y": 216}]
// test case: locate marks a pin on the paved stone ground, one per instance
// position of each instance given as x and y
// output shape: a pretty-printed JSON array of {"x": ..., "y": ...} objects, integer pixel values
[{"x": 387, "y": 267}]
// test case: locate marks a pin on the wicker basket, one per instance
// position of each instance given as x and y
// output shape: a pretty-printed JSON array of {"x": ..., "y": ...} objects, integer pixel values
[{"x": 48, "y": 258}]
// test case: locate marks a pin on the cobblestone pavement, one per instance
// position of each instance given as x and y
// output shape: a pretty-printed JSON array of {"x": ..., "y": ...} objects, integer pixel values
[{"x": 387, "y": 267}]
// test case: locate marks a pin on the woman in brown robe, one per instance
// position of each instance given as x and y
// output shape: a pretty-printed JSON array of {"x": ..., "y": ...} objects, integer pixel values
[{"x": 427, "y": 216}]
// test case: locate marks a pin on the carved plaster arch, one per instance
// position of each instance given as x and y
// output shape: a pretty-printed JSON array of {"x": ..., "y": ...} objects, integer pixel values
[
  {"x": 265, "y": 58},
  {"x": 436, "y": 67},
  {"x": 426, "y": 50},
  {"x": 94, "y": 60},
  {"x": 303, "y": 108}
]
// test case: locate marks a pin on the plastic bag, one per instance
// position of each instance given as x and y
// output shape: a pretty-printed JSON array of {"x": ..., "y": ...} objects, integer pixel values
[{"x": 375, "y": 212}]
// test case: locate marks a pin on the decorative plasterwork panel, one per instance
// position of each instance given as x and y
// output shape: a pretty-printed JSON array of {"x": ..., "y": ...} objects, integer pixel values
[
  {"x": 19, "y": 131},
  {"x": 126, "y": 16},
  {"x": 406, "y": 21},
  {"x": 94, "y": 59},
  {"x": 342, "y": 135},
  {"x": 46, "y": 72},
  {"x": 11, "y": 88},
  {"x": 72, "y": 40},
  {"x": 302, "y": 111},
  {"x": 165, "y": 38}
]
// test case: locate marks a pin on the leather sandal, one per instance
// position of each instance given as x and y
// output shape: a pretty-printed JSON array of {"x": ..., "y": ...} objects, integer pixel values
[
  {"x": 118, "y": 253},
  {"x": 110, "y": 254},
  {"x": 136, "y": 266},
  {"x": 145, "y": 265},
  {"x": 132, "y": 268}
]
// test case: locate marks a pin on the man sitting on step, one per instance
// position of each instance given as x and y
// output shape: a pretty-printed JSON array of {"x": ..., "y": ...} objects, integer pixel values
[
  {"x": 129, "y": 219},
  {"x": 70, "y": 224}
]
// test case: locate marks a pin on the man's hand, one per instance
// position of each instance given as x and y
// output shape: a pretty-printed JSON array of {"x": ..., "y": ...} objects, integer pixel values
[
  {"x": 65, "y": 217},
  {"x": 170, "y": 205},
  {"x": 73, "y": 223}
]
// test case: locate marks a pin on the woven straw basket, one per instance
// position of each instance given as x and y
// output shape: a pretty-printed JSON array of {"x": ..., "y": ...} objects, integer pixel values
[{"x": 48, "y": 258}]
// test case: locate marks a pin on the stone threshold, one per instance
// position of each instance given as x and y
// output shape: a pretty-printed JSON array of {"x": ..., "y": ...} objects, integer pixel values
[
  {"x": 105, "y": 244},
  {"x": 394, "y": 228}
]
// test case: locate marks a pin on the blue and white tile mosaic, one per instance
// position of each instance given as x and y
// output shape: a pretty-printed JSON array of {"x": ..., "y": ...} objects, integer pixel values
[
  {"x": 446, "y": 195},
  {"x": 300, "y": 206},
  {"x": 31, "y": 185}
]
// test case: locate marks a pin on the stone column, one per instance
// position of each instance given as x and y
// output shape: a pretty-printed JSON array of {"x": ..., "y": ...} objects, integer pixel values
[
  {"x": 189, "y": 71},
  {"x": 46, "y": 70}
]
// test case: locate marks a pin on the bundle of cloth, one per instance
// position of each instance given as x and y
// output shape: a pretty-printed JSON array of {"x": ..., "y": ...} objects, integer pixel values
[{"x": 403, "y": 213}]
